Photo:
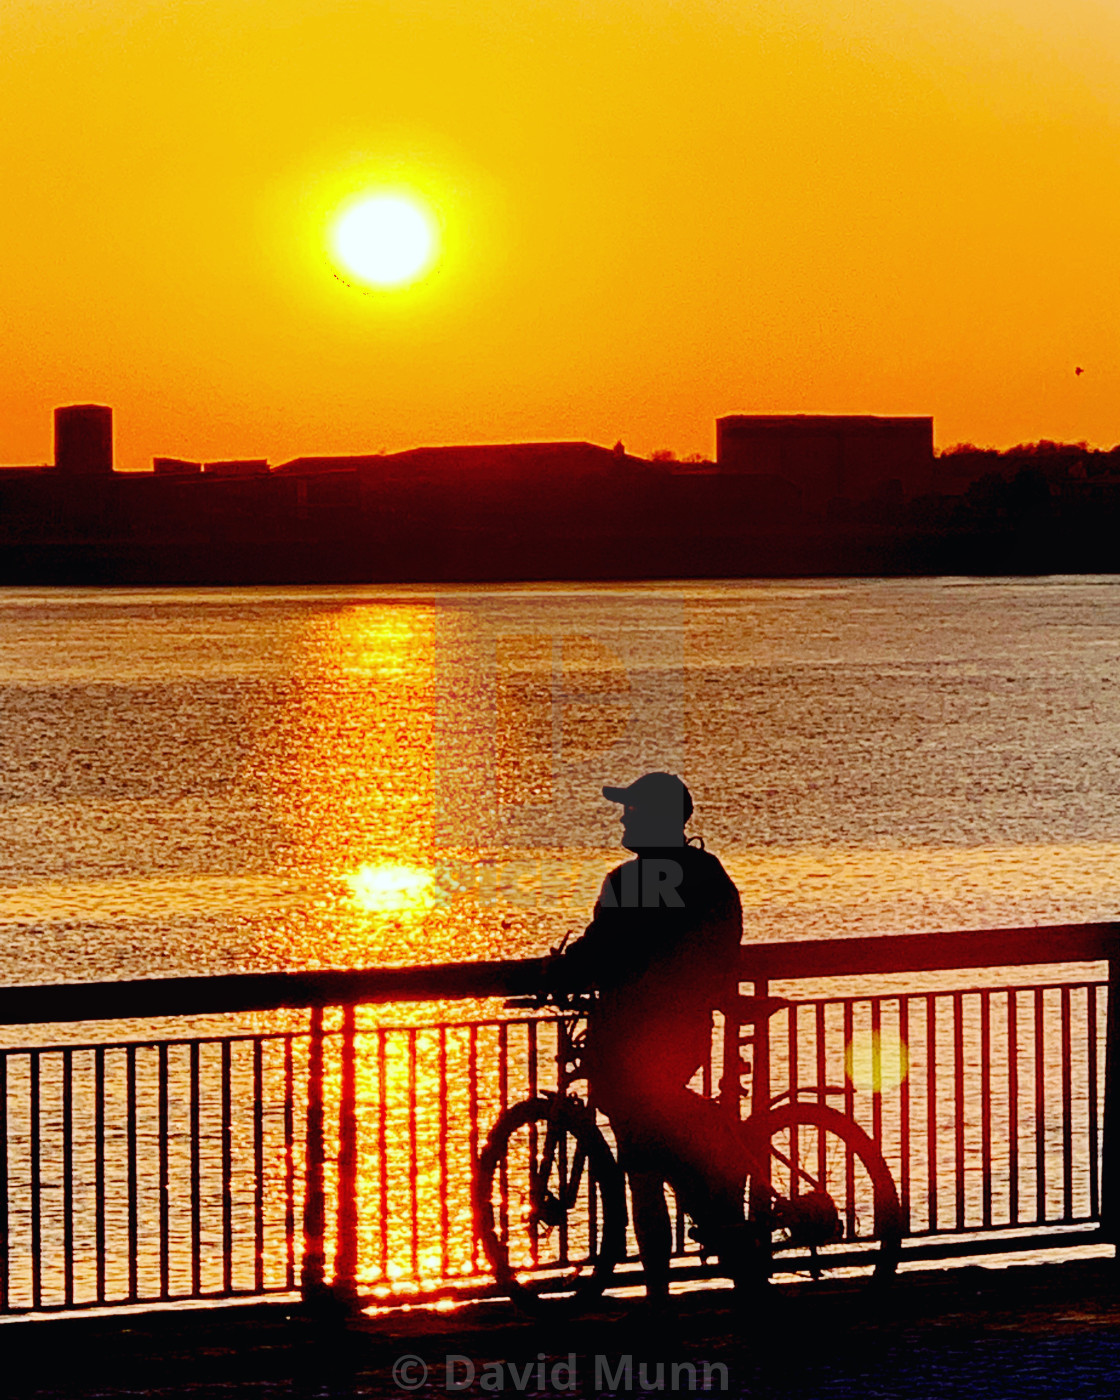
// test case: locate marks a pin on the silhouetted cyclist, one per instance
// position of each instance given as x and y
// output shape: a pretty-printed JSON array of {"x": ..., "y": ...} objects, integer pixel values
[{"x": 661, "y": 950}]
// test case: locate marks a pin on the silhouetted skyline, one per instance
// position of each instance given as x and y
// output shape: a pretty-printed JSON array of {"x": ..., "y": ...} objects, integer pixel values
[{"x": 788, "y": 495}]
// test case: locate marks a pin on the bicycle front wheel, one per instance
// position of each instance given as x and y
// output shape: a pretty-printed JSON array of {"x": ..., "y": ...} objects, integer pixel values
[
  {"x": 550, "y": 1205},
  {"x": 821, "y": 1201}
]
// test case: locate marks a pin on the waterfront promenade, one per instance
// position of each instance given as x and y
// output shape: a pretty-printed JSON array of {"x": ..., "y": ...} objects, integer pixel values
[
  {"x": 160, "y": 1186},
  {"x": 1048, "y": 1331}
]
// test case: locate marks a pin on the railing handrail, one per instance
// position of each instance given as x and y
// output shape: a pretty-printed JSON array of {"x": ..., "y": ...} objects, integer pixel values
[
  {"x": 274, "y": 991},
  {"x": 264, "y": 991},
  {"x": 931, "y": 952}
]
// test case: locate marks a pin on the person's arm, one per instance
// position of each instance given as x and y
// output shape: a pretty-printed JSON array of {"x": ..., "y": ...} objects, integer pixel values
[
  {"x": 728, "y": 986},
  {"x": 708, "y": 962},
  {"x": 576, "y": 968}
]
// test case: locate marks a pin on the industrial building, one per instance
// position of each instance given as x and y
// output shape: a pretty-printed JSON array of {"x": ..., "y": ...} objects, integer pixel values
[
  {"x": 850, "y": 457},
  {"x": 83, "y": 439}
]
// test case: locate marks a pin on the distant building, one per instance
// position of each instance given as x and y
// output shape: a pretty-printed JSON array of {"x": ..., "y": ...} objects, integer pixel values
[
  {"x": 475, "y": 486},
  {"x": 317, "y": 466},
  {"x": 789, "y": 495},
  {"x": 83, "y": 439},
  {"x": 246, "y": 466},
  {"x": 465, "y": 465},
  {"x": 830, "y": 456},
  {"x": 175, "y": 466}
]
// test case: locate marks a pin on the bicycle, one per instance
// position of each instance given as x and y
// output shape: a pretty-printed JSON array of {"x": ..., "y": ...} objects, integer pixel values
[{"x": 550, "y": 1200}]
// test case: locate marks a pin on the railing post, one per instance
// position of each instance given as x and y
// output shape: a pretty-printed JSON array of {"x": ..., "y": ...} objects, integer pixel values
[
  {"x": 346, "y": 1255},
  {"x": 734, "y": 1066},
  {"x": 4, "y": 1298},
  {"x": 760, "y": 1073},
  {"x": 311, "y": 1271},
  {"x": 758, "y": 1204},
  {"x": 1110, "y": 1146}
]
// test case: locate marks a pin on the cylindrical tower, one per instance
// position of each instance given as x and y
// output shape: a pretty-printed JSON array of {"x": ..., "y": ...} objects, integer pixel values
[{"x": 83, "y": 439}]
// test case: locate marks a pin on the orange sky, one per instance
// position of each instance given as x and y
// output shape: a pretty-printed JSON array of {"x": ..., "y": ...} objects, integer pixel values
[{"x": 652, "y": 212}]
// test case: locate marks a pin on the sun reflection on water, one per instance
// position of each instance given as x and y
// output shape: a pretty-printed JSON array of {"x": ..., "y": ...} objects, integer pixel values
[{"x": 387, "y": 888}]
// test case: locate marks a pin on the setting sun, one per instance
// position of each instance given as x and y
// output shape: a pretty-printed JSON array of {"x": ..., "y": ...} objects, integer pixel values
[{"x": 384, "y": 240}]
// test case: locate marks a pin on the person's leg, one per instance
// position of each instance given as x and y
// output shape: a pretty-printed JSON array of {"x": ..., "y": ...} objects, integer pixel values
[
  {"x": 638, "y": 1130},
  {"x": 702, "y": 1159},
  {"x": 744, "y": 1254},
  {"x": 667, "y": 1133},
  {"x": 653, "y": 1230}
]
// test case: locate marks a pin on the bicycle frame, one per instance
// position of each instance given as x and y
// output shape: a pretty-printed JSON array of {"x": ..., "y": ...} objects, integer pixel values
[
  {"x": 555, "y": 1142},
  {"x": 569, "y": 1071},
  {"x": 788, "y": 1186},
  {"x": 807, "y": 1093}
]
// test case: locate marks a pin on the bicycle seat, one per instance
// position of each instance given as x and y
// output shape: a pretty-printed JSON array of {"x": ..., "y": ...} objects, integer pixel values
[{"x": 752, "y": 1010}]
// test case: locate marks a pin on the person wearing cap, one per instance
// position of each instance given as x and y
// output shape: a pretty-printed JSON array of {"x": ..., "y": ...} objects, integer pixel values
[{"x": 661, "y": 950}]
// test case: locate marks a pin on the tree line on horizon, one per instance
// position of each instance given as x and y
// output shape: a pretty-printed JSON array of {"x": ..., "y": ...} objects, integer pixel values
[{"x": 1044, "y": 447}]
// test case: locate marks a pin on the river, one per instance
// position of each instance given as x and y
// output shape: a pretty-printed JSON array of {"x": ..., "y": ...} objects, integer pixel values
[
  {"x": 209, "y": 780},
  {"x": 204, "y": 781}
]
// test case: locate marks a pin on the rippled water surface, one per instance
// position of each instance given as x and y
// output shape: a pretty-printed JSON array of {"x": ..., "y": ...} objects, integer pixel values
[{"x": 213, "y": 780}]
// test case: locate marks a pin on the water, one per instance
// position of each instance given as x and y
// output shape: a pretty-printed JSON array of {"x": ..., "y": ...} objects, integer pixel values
[
  {"x": 200, "y": 780},
  {"x": 203, "y": 781}
]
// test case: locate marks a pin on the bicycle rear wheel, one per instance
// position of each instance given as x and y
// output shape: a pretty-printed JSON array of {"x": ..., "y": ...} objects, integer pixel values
[
  {"x": 550, "y": 1205},
  {"x": 826, "y": 1205}
]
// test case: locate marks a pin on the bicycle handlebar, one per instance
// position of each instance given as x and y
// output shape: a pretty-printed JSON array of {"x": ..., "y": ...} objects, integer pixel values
[
  {"x": 745, "y": 1010},
  {"x": 752, "y": 1010},
  {"x": 559, "y": 1001}
]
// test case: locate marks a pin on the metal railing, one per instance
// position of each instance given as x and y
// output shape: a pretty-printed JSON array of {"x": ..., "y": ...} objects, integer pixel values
[
  {"x": 987, "y": 1103},
  {"x": 325, "y": 1153},
  {"x": 148, "y": 1171},
  {"x": 994, "y": 1105}
]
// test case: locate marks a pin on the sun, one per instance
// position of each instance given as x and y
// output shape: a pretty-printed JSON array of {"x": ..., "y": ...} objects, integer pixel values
[{"x": 384, "y": 240}]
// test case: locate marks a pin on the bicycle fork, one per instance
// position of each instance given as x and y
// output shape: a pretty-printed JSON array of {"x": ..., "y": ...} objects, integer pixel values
[{"x": 549, "y": 1209}]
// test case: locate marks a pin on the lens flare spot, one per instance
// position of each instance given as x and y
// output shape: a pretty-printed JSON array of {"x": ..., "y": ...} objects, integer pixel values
[{"x": 876, "y": 1061}]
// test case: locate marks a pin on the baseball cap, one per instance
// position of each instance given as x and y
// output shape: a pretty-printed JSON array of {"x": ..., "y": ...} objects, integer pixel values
[{"x": 663, "y": 793}]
